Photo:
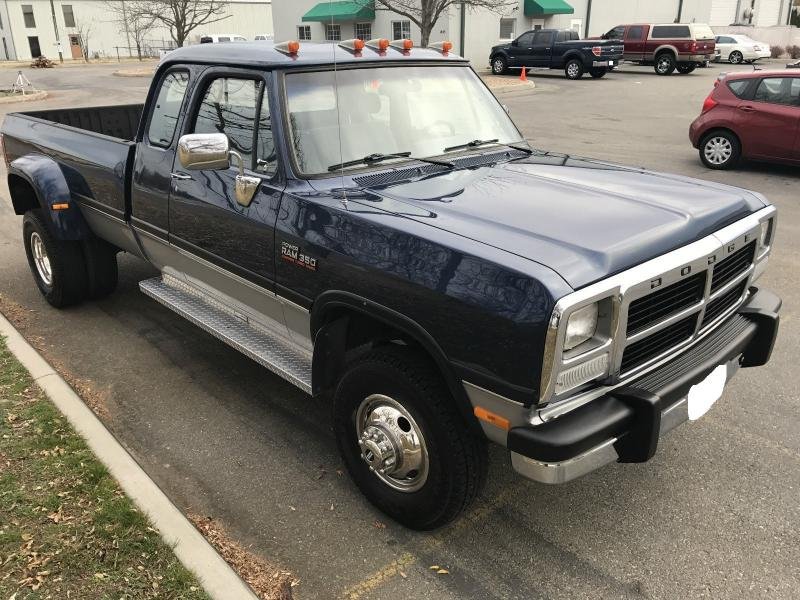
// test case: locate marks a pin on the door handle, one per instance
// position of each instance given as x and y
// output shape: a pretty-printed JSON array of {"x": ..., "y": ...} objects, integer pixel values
[
  {"x": 180, "y": 176},
  {"x": 746, "y": 108}
]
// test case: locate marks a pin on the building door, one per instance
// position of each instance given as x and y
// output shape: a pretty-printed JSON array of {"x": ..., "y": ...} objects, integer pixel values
[
  {"x": 75, "y": 46},
  {"x": 576, "y": 25},
  {"x": 33, "y": 42}
]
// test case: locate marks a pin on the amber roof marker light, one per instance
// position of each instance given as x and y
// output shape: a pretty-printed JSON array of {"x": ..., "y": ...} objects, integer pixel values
[
  {"x": 355, "y": 46},
  {"x": 443, "y": 47},
  {"x": 379, "y": 45},
  {"x": 290, "y": 48},
  {"x": 404, "y": 45}
]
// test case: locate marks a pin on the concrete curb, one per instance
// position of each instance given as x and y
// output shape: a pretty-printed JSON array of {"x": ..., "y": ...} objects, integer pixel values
[
  {"x": 192, "y": 549},
  {"x": 29, "y": 97}
]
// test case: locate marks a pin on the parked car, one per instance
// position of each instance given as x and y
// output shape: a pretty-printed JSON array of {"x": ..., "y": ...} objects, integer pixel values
[
  {"x": 221, "y": 38},
  {"x": 556, "y": 49},
  {"x": 750, "y": 115},
  {"x": 433, "y": 281},
  {"x": 264, "y": 37},
  {"x": 681, "y": 46},
  {"x": 736, "y": 49},
  {"x": 794, "y": 65}
]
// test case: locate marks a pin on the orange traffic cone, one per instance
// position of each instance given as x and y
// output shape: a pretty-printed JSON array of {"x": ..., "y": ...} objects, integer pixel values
[{"x": 523, "y": 76}]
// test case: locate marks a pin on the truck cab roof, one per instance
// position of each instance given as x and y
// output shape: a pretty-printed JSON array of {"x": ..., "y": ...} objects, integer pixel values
[{"x": 262, "y": 54}]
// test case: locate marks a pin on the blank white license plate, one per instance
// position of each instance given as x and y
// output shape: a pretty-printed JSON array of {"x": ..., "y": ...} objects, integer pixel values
[
  {"x": 611, "y": 63},
  {"x": 703, "y": 395}
]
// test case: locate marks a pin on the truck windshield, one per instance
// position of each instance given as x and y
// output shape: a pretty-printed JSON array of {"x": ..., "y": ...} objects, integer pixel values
[{"x": 389, "y": 110}]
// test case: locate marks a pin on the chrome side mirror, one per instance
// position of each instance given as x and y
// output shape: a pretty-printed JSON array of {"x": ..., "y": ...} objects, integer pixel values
[{"x": 198, "y": 151}]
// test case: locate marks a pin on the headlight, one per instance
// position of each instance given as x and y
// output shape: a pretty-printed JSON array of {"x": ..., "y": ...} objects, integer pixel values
[
  {"x": 581, "y": 326},
  {"x": 766, "y": 233}
]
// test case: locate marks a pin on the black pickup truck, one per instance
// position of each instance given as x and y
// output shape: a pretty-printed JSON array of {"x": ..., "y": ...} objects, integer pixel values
[
  {"x": 557, "y": 49},
  {"x": 370, "y": 225}
]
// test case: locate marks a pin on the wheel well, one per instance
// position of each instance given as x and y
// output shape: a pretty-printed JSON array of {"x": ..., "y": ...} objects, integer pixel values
[
  {"x": 667, "y": 51},
  {"x": 23, "y": 196},
  {"x": 714, "y": 130},
  {"x": 345, "y": 332}
]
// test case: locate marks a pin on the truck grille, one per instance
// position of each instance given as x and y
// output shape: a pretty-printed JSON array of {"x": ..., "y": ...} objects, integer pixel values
[
  {"x": 656, "y": 309},
  {"x": 665, "y": 302},
  {"x": 640, "y": 352},
  {"x": 733, "y": 265}
]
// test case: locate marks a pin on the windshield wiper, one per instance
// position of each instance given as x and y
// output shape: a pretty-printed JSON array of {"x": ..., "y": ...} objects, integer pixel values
[
  {"x": 472, "y": 144},
  {"x": 371, "y": 159},
  {"x": 520, "y": 148}
]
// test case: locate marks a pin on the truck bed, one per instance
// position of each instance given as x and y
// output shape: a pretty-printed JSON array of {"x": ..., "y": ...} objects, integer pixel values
[{"x": 114, "y": 121}]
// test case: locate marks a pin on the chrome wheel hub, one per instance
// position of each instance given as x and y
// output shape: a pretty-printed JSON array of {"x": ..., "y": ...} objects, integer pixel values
[
  {"x": 40, "y": 259},
  {"x": 572, "y": 70},
  {"x": 718, "y": 150},
  {"x": 498, "y": 66},
  {"x": 391, "y": 443},
  {"x": 663, "y": 65}
]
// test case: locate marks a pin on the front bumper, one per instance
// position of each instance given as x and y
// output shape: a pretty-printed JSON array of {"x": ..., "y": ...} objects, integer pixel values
[{"x": 626, "y": 424}]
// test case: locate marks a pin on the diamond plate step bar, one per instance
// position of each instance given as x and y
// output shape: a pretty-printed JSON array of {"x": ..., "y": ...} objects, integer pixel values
[{"x": 268, "y": 349}]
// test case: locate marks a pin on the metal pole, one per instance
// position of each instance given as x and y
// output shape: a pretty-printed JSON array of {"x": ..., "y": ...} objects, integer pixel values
[
  {"x": 588, "y": 17},
  {"x": 463, "y": 28},
  {"x": 680, "y": 11},
  {"x": 55, "y": 28}
]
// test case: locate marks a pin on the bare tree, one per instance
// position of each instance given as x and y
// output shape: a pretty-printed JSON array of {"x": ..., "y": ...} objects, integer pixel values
[
  {"x": 132, "y": 22},
  {"x": 181, "y": 17},
  {"x": 84, "y": 28},
  {"x": 425, "y": 13}
]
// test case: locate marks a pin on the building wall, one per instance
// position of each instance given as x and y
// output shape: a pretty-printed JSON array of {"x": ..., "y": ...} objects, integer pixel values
[
  {"x": 7, "y": 50},
  {"x": 107, "y": 38}
]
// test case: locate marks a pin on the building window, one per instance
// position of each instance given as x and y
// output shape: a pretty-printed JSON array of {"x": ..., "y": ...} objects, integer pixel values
[
  {"x": 69, "y": 16},
  {"x": 304, "y": 32},
  {"x": 364, "y": 31},
  {"x": 333, "y": 33},
  {"x": 33, "y": 43},
  {"x": 507, "y": 29},
  {"x": 401, "y": 30},
  {"x": 27, "y": 14}
]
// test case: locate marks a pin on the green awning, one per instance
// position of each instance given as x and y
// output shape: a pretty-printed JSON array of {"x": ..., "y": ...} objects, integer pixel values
[
  {"x": 542, "y": 8},
  {"x": 341, "y": 12}
]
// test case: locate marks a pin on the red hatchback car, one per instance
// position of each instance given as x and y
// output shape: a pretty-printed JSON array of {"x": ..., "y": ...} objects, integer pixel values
[{"x": 752, "y": 115}]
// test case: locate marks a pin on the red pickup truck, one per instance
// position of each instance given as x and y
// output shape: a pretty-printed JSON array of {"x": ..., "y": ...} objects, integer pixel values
[{"x": 667, "y": 47}]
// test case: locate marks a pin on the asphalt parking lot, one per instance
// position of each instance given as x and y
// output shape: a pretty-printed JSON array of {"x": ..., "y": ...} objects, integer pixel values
[{"x": 714, "y": 514}]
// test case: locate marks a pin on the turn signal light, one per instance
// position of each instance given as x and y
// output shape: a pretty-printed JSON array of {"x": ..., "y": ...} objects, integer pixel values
[
  {"x": 597, "y": 50},
  {"x": 405, "y": 44},
  {"x": 354, "y": 45},
  {"x": 379, "y": 44},
  {"x": 291, "y": 48},
  {"x": 708, "y": 104},
  {"x": 443, "y": 47},
  {"x": 60, "y": 206},
  {"x": 492, "y": 418}
]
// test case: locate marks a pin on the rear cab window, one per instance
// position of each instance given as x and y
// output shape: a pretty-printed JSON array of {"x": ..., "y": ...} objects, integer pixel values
[{"x": 669, "y": 32}]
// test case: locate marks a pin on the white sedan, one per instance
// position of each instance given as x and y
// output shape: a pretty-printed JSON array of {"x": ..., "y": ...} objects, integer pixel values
[{"x": 736, "y": 49}]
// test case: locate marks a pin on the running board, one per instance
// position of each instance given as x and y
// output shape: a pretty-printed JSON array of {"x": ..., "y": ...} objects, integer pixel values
[{"x": 266, "y": 348}]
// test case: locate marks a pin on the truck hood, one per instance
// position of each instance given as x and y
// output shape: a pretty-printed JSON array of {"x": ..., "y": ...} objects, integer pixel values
[{"x": 584, "y": 219}]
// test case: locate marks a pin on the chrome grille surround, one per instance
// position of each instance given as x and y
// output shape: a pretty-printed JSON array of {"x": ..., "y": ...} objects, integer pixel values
[{"x": 638, "y": 282}]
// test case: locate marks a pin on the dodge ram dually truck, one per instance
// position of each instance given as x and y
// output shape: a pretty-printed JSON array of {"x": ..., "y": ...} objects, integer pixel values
[
  {"x": 557, "y": 49},
  {"x": 368, "y": 223}
]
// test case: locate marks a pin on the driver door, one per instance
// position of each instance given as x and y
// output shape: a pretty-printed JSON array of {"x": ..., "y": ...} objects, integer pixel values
[{"x": 520, "y": 53}]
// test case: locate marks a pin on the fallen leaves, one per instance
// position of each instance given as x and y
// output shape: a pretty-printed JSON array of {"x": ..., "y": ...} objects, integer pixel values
[{"x": 439, "y": 570}]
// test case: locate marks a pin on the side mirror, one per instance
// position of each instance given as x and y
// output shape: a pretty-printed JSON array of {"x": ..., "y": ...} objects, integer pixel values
[
  {"x": 515, "y": 42},
  {"x": 198, "y": 151}
]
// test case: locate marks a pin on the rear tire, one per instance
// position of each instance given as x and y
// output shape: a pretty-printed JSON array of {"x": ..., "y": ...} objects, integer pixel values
[
  {"x": 598, "y": 72},
  {"x": 720, "y": 150},
  {"x": 499, "y": 65},
  {"x": 101, "y": 267},
  {"x": 735, "y": 58},
  {"x": 393, "y": 390},
  {"x": 685, "y": 69},
  {"x": 573, "y": 69},
  {"x": 58, "y": 266},
  {"x": 665, "y": 64}
]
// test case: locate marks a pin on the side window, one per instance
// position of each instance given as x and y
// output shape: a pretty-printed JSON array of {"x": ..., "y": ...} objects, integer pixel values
[
  {"x": 777, "y": 90},
  {"x": 562, "y": 36},
  {"x": 167, "y": 109},
  {"x": 526, "y": 39},
  {"x": 229, "y": 106},
  {"x": 542, "y": 38},
  {"x": 635, "y": 33},
  {"x": 266, "y": 159},
  {"x": 616, "y": 33},
  {"x": 665, "y": 32},
  {"x": 739, "y": 87}
]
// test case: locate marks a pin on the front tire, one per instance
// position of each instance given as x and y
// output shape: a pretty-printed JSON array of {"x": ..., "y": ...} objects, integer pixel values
[
  {"x": 735, "y": 58},
  {"x": 573, "y": 69},
  {"x": 665, "y": 64},
  {"x": 58, "y": 266},
  {"x": 685, "y": 69},
  {"x": 720, "y": 150},
  {"x": 598, "y": 72},
  {"x": 499, "y": 65},
  {"x": 403, "y": 442}
]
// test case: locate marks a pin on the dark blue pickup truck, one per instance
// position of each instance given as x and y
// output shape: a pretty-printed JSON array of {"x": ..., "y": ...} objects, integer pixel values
[{"x": 368, "y": 224}]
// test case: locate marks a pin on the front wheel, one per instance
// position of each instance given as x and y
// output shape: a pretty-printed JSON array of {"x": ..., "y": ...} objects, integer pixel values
[
  {"x": 685, "y": 69},
  {"x": 499, "y": 65},
  {"x": 402, "y": 440},
  {"x": 574, "y": 69},
  {"x": 665, "y": 64},
  {"x": 598, "y": 72},
  {"x": 720, "y": 150},
  {"x": 58, "y": 266}
]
